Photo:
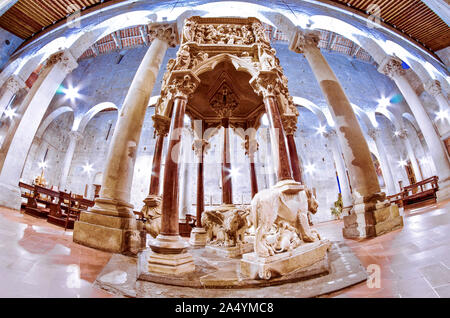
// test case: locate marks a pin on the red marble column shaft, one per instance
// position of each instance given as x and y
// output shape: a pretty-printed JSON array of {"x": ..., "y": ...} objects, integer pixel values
[
  {"x": 200, "y": 191},
  {"x": 227, "y": 191},
  {"x": 169, "y": 219},
  {"x": 156, "y": 166},
  {"x": 276, "y": 125},
  {"x": 253, "y": 180},
  {"x": 295, "y": 163}
]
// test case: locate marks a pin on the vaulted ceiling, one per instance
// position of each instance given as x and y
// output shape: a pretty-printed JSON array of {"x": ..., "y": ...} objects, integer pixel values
[{"x": 411, "y": 17}]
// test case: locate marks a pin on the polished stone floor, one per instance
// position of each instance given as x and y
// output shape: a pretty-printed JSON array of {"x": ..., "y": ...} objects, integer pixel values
[{"x": 38, "y": 259}]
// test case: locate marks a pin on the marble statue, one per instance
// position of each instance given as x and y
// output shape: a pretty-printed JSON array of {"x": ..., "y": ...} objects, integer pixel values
[
  {"x": 285, "y": 207},
  {"x": 225, "y": 228}
]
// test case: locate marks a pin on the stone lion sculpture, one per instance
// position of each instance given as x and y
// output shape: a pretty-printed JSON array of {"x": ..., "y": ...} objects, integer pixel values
[
  {"x": 152, "y": 213},
  {"x": 225, "y": 228},
  {"x": 285, "y": 207}
]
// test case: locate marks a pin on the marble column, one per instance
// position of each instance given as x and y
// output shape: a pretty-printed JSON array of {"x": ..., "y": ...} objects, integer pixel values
[
  {"x": 111, "y": 225},
  {"x": 198, "y": 234},
  {"x": 17, "y": 143},
  {"x": 10, "y": 88},
  {"x": 74, "y": 137},
  {"x": 341, "y": 170},
  {"x": 368, "y": 200},
  {"x": 227, "y": 190},
  {"x": 185, "y": 194},
  {"x": 384, "y": 162},
  {"x": 251, "y": 146},
  {"x": 403, "y": 134},
  {"x": 169, "y": 253},
  {"x": 161, "y": 125},
  {"x": 392, "y": 67},
  {"x": 433, "y": 87},
  {"x": 265, "y": 84},
  {"x": 290, "y": 126}
]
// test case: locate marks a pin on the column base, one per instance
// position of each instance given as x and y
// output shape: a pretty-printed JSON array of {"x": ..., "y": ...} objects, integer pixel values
[
  {"x": 10, "y": 196},
  {"x": 169, "y": 256},
  {"x": 444, "y": 191},
  {"x": 198, "y": 237},
  {"x": 110, "y": 228},
  {"x": 171, "y": 264},
  {"x": 372, "y": 219}
]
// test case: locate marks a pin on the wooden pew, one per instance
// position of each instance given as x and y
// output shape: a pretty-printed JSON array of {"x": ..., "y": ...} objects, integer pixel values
[
  {"x": 32, "y": 207},
  {"x": 27, "y": 194},
  {"x": 420, "y": 192}
]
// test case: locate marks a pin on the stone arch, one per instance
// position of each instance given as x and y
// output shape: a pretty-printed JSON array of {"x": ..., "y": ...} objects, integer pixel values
[
  {"x": 390, "y": 116},
  {"x": 239, "y": 64},
  {"x": 81, "y": 125},
  {"x": 412, "y": 120},
  {"x": 362, "y": 115},
  {"x": 51, "y": 117},
  {"x": 303, "y": 102}
]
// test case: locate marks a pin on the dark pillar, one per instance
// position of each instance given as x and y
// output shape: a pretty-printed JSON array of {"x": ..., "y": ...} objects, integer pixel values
[{"x": 227, "y": 191}]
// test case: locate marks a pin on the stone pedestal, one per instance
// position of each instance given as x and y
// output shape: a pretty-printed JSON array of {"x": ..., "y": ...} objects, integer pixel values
[
  {"x": 284, "y": 263},
  {"x": 444, "y": 191},
  {"x": 170, "y": 256},
  {"x": 232, "y": 251},
  {"x": 371, "y": 220},
  {"x": 109, "y": 233},
  {"x": 198, "y": 237},
  {"x": 171, "y": 264}
]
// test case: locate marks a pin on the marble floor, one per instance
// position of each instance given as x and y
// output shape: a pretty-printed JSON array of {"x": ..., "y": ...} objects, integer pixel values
[{"x": 38, "y": 259}]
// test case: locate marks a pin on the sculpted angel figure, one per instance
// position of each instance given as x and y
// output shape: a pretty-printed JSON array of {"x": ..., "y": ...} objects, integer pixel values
[{"x": 247, "y": 35}]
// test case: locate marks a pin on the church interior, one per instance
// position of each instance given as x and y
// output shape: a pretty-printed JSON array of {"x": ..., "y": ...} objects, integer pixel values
[{"x": 209, "y": 149}]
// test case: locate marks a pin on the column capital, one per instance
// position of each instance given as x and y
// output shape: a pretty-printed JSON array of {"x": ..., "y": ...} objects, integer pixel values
[
  {"x": 433, "y": 87},
  {"x": 200, "y": 146},
  {"x": 14, "y": 83},
  {"x": 183, "y": 83},
  {"x": 289, "y": 123},
  {"x": 265, "y": 83},
  {"x": 161, "y": 124},
  {"x": 64, "y": 58},
  {"x": 75, "y": 135},
  {"x": 374, "y": 133},
  {"x": 330, "y": 133},
  {"x": 302, "y": 39},
  {"x": 166, "y": 32},
  {"x": 391, "y": 66},
  {"x": 402, "y": 133},
  {"x": 250, "y": 146}
]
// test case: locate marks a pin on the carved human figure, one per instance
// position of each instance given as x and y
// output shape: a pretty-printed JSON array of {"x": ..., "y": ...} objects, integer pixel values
[
  {"x": 183, "y": 60},
  {"x": 189, "y": 30},
  {"x": 152, "y": 213}
]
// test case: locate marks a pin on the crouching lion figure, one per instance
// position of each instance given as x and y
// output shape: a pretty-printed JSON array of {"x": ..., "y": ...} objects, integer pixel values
[
  {"x": 225, "y": 228},
  {"x": 285, "y": 207},
  {"x": 152, "y": 213}
]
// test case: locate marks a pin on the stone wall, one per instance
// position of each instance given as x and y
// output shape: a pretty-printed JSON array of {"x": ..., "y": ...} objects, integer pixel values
[{"x": 8, "y": 44}]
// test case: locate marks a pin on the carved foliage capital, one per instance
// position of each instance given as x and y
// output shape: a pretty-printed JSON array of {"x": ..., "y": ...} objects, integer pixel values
[
  {"x": 433, "y": 87},
  {"x": 183, "y": 84},
  {"x": 303, "y": 39},
  {"x": 161, "y": 125},
  {"x": 392, "y": 67},
  {"x": 289, "y": 124},
  {"x": 374, "y": 133},
  {"x": 65, "y": 59},
  {"x": 265, "y": 83},
  {"x": 164, "y": 32},
  {"x": 200, "y": 146},
  {"x": 250, "y": 145},
  {"x": 402, "y": 133},
  {"x": 14, "y": 83}
]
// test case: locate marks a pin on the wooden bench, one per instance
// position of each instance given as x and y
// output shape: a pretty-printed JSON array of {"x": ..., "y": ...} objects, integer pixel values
[
  {"x": 32, "y": 207},
  {"x": 420, "y": 191},
  {"x": 27, "y": 194},
  {"x": 396, "y": 198}
]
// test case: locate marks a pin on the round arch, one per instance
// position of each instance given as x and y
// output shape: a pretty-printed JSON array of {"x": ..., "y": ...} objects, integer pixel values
[
  {"x": 51, "y": 117},
  {"x": 80, "y": 125}
]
